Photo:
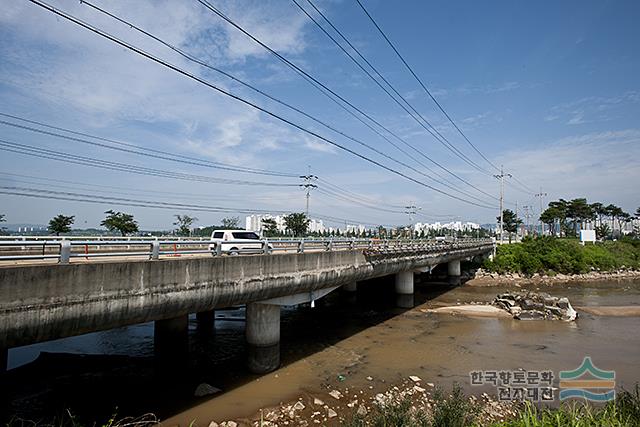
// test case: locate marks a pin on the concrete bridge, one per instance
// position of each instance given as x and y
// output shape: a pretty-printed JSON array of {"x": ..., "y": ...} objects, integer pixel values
[{"x": 40, "y": 302}]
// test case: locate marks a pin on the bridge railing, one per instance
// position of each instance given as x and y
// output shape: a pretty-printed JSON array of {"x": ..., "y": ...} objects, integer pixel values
[{"x": 64, "y": 250}]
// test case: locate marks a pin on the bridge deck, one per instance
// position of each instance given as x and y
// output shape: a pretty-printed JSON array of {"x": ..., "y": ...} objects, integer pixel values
[{"x": 42, "y": 302}]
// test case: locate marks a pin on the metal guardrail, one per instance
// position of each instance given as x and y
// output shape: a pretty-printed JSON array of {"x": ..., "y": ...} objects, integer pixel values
[{"x": 65, "y": 249}]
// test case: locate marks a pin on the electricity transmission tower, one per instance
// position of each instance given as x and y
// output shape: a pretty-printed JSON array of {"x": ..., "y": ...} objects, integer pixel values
[{"x": 501, "y": 178}]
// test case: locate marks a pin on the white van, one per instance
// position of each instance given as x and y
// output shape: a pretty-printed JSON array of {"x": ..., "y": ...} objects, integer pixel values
[{"x": 240, "y": 241}]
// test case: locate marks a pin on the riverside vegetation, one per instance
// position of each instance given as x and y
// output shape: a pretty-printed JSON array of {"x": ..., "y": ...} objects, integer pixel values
[
  {"x": 457, "y": 410},
  {"x": 549, "y": 255}
]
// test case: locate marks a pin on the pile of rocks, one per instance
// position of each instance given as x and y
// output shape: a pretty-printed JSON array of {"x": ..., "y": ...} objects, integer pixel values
[{"x": 535, "y": 306}]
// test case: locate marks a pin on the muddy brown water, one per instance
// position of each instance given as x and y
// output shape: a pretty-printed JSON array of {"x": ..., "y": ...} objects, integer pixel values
[{"x": 341, "y": 342}]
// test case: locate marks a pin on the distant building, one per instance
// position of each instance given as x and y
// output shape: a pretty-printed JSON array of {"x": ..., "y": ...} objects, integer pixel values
[
  {"x": 254, "y": 223},
  {"x": 356, "y": 229},
  {"x": 437, "y": 226}
]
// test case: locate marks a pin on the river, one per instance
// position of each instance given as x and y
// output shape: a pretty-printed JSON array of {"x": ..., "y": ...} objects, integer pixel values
[{"x": 343, "y": 340}]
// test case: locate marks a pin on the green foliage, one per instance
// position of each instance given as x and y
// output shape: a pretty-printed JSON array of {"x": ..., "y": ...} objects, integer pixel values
[
  {"x": 566, "y": 256},
  {"x": 602, "y": 230},
  {"x": 270, "y": 227},
  {"x": 510, "y": 222},
  {"x": 184, "y": 223},
  {"x": 297, "y": 223},
  {"x": 453, "y": 411},
  {"x": 394, "y": 413},
  {"x": 231, "y": 223},
  {"x": 456, "y": 410},
  {"x": 3, "y": 230},
  {"x": 120, "y": 221},
  {"x": 624, "y": 411},
  {"x": 61, "y": 224}
]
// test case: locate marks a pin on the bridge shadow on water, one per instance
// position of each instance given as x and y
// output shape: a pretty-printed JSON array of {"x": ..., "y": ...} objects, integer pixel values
[{"x": 98, "y": 374}]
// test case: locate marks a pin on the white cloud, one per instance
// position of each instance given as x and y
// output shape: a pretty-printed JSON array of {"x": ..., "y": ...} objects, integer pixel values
[
  {"x": 70, "y": 69},
  {"x": 600, "y": 166},
  {"x": 591, "y": 108}
]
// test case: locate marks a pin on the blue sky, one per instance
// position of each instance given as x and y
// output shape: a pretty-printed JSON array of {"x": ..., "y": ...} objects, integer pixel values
[{"x": 549, "y": 89}]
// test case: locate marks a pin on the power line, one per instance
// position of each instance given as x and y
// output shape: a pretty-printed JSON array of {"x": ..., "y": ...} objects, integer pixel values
[
  {"x": 172, "y": 67},
  {"x": 355, "y": 201},
  {"x": 122, "y": 167},
  {"x": 424, "y": 87},
  {"x": 62, "y": 195},
  {"x": 349, "y": 196},
  {"x": 308, "y": 185},
  {"x": 130, "y": 192},
  {"x": 102, "y": 200},
  {"x": 525, "y": 188},
  {"x": 417, "y": 116},
  {"x": 422, "y": 84},
  {"x": 141, "y": 153},
  {"x": 173, "y": 195},
  {"x": 326, "y": 90},
  {"x": 255, "y": 89},
  {"x": 501, "y": 177},
  {"x": 178, "y": 157}
]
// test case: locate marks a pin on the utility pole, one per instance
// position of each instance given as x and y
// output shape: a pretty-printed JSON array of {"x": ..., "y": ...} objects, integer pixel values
[
  {"x": 308, "y": 185},
  {"x": 541, "y": 195},
  {"x": 527, "y": 216},
  {"x": 517, "y": 226},
  {"x": 411, "y": 210},
  {"x": 501, "y": 178}
]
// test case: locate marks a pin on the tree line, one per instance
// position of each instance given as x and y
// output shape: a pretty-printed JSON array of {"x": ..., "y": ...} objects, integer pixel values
[
  {"x": 567, "y": 217},
  {"x": 297, "y": 224}
]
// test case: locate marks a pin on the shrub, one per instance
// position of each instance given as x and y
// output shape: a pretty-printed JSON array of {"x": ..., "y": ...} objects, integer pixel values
[
  {"x": 454, "y": 411},
  {"x": 567, "y": 256}
]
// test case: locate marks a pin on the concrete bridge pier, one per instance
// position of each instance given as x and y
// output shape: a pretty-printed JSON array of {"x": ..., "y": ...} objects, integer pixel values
[
  {"x": 171, "y": 343},
  {"x": 4, "y": 359},
  {"x": 453, "y": 268},
  {"x": 404, "y": 289},
  {"x": 351, "y": 287},
  {"x": 263, "y": 337},
  {"x": 351, "y": 292}
]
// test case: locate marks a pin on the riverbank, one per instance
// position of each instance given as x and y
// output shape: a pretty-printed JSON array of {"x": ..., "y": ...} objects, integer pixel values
[
  {"x": 482, "y": 277},
  {"x": 416, "y": 403},
  {"x": 411, "y": 402}
]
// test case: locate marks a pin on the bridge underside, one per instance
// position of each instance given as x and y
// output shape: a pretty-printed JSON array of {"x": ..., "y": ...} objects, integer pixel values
[{"x": 40, "y": 302}]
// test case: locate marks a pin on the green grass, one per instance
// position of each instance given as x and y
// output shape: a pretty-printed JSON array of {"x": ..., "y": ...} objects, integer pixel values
[
  {"x": 566, "y": 256},
  {"x": 624, "y": 411},
  {"x": 456, "y": 410}
]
